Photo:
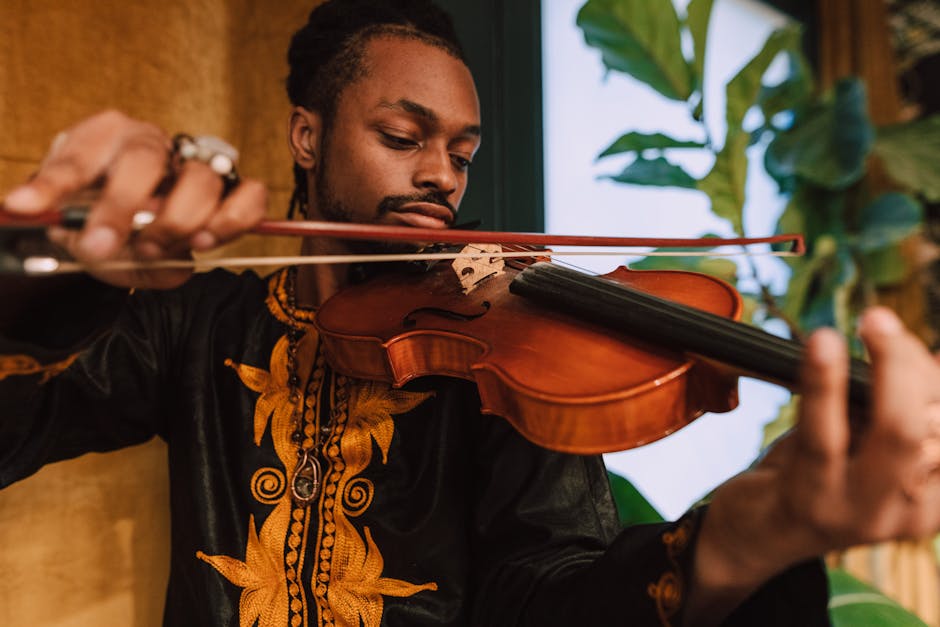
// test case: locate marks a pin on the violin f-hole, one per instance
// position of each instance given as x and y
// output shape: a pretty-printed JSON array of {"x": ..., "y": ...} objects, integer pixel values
[{"x": 409, "y": 321}]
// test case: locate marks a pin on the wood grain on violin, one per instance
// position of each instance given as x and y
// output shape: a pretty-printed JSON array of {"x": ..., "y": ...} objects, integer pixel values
[{"x": 638, "y": 355}]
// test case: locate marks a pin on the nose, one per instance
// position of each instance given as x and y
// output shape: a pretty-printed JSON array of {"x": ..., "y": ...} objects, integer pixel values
[{"x": 435, "y": 171}]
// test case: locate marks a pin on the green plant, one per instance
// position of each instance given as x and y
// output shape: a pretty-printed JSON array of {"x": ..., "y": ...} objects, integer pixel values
[
  {"x": 632, "y": 507},
  {"x": 819, "y": 149},
  {"x": 853, "y": 603}
]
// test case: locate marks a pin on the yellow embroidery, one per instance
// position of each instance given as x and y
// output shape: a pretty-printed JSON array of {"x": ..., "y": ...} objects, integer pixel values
[
  {"x": 268, "y": 485},
  {"x": 20, "y": 365},
  {"x": 264, "y": 596},
  {"x": 371, "y": 418},
  {"x": 277, "y": 302},
  {"x": 274, "y": 393},
  {"x": 356, "y": 586},
  {"x": 347, "y": 582},
  {"x": 668, "y": 591}
]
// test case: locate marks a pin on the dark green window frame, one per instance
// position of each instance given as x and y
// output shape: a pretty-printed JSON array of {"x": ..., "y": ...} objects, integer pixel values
[{"x": 503, "y": 44}]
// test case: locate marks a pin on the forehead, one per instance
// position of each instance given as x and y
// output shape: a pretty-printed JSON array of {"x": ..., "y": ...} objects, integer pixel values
[{"x": 405, "y": 69}]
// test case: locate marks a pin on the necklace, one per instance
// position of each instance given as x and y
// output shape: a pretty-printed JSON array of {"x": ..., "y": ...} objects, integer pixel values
[{"x": 308, "y": 434}]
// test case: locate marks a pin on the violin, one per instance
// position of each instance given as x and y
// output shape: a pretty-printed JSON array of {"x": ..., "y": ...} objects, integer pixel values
[{"x": 576, "y": 363}]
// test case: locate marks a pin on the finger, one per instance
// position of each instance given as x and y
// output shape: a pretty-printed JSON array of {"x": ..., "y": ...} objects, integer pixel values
[
  {"x": 920, "y": 509},
  {"x": 78, "y": 158},
  {"x": 188, "y": 207},
  {"x": 245, "y": 207},
  {"x": 823, "y": 428},
  {"x": 893, "y": 469},
  {"x": 815, "y": 475},
  {"x": 132, "y": 179},
  {"x": 905, "y": 377}
]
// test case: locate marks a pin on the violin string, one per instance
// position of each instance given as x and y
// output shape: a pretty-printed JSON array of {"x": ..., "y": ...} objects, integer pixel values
[
  {"x": 750, "y": 341},
  {"x": 705, "y": 322},
  {"x": 722, "y": 329},
  {"x": 684, "y": 327},
  {"x": 781, "y": 347}
]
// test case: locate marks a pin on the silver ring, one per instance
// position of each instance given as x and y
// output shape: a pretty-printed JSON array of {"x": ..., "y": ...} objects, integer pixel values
[{"x": 218, "y": 154}]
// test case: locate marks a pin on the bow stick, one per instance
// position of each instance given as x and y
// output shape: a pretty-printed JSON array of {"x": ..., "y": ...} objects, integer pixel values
[{"x": 74, "y": 219}]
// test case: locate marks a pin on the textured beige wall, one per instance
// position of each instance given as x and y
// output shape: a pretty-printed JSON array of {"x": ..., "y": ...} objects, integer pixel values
[{"x": 84, "y": 542}]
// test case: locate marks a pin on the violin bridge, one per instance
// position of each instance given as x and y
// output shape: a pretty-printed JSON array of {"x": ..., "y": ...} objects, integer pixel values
[{"x": 471, "y": 271}]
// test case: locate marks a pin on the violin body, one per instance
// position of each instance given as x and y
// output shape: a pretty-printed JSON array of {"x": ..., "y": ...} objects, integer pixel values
[{"x": 563, "y": 383}]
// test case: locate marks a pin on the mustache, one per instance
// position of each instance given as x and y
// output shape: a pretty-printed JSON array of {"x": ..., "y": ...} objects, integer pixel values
[{"x": 396, "y": 203}]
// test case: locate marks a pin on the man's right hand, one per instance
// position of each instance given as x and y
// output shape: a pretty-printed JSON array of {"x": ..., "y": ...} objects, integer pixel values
[{"x": 128, "y": 159}]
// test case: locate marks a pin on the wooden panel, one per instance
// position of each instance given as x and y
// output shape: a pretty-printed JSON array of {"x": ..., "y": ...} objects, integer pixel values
[{"x": 86, "y": 541}]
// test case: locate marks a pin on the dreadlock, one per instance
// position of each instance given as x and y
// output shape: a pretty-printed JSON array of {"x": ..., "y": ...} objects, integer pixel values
[{"x": 326, "y": 54}]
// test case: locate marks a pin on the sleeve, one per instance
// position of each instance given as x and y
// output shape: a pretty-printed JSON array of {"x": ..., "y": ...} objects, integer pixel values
[
  {"x": 551, "y": 552},
  {"x": 78, "y": 374}
]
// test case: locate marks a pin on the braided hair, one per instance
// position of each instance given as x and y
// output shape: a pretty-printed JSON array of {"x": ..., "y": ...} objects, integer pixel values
[{"x": 326, "y": 54}]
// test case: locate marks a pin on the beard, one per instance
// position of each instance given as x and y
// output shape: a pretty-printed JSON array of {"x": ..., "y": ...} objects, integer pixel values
[{"x": 335, "y": 209}]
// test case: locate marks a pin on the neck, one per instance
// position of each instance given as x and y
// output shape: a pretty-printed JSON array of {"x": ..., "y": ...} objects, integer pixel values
[{"x": 317, "y": 283}]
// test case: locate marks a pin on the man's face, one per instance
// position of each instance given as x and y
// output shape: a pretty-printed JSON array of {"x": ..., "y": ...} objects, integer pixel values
[{"x": 401, "y": 140}]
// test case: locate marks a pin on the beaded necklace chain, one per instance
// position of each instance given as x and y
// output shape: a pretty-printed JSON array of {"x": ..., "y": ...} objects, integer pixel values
[{"x": 309, "y": 435}]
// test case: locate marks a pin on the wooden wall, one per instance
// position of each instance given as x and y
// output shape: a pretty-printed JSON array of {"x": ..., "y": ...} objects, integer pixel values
[{"x": 84, "y": 542}]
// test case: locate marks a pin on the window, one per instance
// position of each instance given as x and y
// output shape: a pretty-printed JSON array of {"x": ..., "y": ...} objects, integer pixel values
[{"x": 583, "y": 113}]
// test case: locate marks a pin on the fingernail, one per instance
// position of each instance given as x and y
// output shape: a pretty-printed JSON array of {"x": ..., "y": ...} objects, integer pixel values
[
  {"x": 98, "y": 243},
  {"x": 828, "y": 346},
  {"x": 881, "y": 320},
  {"x": 24, "y": 198}
]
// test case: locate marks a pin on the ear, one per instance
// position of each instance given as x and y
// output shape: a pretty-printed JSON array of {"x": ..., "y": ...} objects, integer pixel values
[{"x": 305, "y": 130}]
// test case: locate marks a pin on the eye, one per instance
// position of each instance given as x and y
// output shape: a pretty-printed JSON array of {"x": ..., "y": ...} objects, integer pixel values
[
  {"x": 461, "y": 163},
  {"x": 397, "y": 142}
]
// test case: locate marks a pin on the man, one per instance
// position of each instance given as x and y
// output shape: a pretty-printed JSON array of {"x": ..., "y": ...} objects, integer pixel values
[{"x": 302, "y": 497}]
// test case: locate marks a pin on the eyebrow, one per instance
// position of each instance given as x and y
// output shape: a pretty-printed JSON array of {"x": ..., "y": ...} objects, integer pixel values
[{"x": 412, "y": 107}]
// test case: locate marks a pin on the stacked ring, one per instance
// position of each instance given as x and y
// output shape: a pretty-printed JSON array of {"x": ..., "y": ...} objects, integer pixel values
[{"x": 219, "y": 155}]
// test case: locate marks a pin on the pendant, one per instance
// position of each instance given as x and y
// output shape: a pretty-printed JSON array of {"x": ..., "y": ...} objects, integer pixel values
[{"x": 305, "y": 482}]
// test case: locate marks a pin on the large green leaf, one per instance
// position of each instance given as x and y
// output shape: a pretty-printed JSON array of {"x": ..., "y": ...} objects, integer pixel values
[
  {"x": 640, "y": 38},
  {"x": 853, "y": 603},
  {"x": 724, "y": 184},
  {"x": 829, "y": 146},
  {"x": 792, "y": 94},
  {"x": 742, "y": 91},
  {"x": 883, "y": 224},
  {"x": 698, "y": 15},
  {"x": 658, "y": 171},
  {"x": 638, "y": 142},
  {"x": 885, "y": 267},
  {"x": 818, "y": 215},
  {"x": 829, "y": 299},
  {"x": 910, "y": 153},
  {"x": 887, "y": 220},
  {"x": 632, "y": 507},
  {"x": 807, "y": 273},
  {"x": 802, "y": 273}
]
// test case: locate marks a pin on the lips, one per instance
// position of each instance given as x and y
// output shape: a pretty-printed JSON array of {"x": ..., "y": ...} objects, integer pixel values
[{"x": 424, "y": 215}]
